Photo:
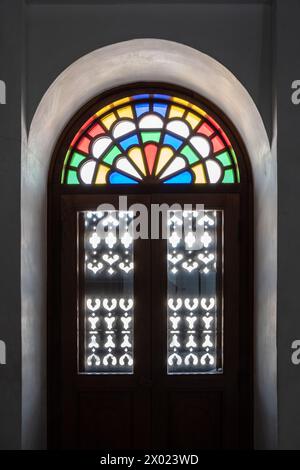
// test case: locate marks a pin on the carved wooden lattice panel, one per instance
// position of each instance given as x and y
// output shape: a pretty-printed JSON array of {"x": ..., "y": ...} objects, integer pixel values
[
  {"x": 108, "y": 285},
  {"x": 194, "y": 305}
]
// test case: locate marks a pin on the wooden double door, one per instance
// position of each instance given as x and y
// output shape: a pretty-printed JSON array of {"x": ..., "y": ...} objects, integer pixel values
[{"x": 180, "y": 381}]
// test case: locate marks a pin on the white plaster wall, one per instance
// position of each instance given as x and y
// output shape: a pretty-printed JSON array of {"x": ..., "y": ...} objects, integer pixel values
[{"x": 110, "y": 66}]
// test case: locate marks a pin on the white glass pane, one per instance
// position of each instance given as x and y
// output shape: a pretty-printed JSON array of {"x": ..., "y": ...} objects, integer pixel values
[
  {"x": 124, "y": 165},
  {"x": 106, "y": 314},
  {"x": 123, "y": 128},
  {"x": 194, "y": 286},
  {"x": 214, "y": 171},
  {"x": 179, "y": 127},
  {"x": 202, "y": 145},
  {"x": 151, "y": 121},
  {"x": 100, "y": 145},
  {"x": 177, "y": 164},
  {"x": 87, "y": 172}
]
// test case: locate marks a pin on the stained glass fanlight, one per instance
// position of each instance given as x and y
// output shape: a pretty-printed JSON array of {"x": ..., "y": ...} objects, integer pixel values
[{"x": 150, "y": 138}]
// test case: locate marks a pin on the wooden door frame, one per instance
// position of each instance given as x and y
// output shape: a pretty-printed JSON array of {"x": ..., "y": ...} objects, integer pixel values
[
  {"x": 55, "y": 193},
  {"x": 82, "y": 202}
]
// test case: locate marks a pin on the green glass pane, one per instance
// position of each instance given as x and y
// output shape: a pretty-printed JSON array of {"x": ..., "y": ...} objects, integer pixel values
[
  {"x": 76, "y": 159},
  {"x": 189, "y": 154},
  {"x": 64, "y": 166},
  {"x": 62, "y": 175},
  {"x": 224, "y": 158},
  {"x": 111, "y": 155},
  {"x": 150, "y": 136},
  {"x": 228, "y": 176},
  {"x": 236, "y": 165},
  {"x": 72, "y": 177}
]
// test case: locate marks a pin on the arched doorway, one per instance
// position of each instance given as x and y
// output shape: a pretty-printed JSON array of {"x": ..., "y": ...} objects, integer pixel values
[
  {"x": 153, "y": 336},
  {"x": 127, "y": 62}
]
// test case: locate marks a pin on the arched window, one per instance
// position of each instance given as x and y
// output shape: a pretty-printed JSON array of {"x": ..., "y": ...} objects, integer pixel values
[
  {"x": 150, "y": 138},
  {"x": 151, "y": 301}
]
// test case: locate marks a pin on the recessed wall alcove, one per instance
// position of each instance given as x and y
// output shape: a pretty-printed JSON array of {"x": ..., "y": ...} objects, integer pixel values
[{"x": 115, "y": 65}]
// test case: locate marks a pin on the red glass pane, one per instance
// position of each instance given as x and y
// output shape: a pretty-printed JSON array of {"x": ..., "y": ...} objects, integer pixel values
[
  {"x": 96, "y": 130},
  {"x": 205, "y": 129},
  {"x": 82, "y": 129},
  {"x": 217, "y": 144},
  {"x": 83, "y": 145},
  {"x": 150, "y": 152}
]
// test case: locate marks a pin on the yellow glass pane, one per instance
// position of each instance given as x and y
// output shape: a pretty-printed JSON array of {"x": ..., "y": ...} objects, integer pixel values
[
  {"x": 193, "y": 120},
  {"x": 136, "y": 156},
  {"x": 65, "y": 164},
  {"x": 109, "y": 120},
  {"x": 121, "y": 101},
  {"x": 198, "y": 110},
  {"x": 101, "y": 174},
  {"x": 176, "y": 111},
  {"x": 112, "y": 105},
  {"x": 164, "y": 156},
  {"x": 181, "y": 101},
  {"x": 104, "y": 110},
  {"x": 125, "y": 112},
  {"x": 199, "y": 174}
]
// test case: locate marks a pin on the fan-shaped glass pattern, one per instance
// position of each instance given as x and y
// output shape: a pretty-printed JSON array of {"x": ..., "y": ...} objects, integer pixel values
[{"x": 150, "y": 138}]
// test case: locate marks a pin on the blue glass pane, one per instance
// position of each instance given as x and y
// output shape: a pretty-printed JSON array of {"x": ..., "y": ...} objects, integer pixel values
[
  {"x": 141, "y": 109},
  {"x": 160, "y": 108},
  {"x": 133, "y": 140},
  {"x": 181, "y": 178},
  {"x": 117, "y": 178},
  {"x": 172, "y": 141},
  {"x": 141, "y": 97},
  {"x": 162, "y": 97}
]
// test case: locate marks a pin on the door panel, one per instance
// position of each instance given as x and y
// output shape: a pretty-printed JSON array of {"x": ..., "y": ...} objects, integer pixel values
[
  {"x": 106, "y": 419},
  {"x": 195, "y": 420},
  {"x": 150, "y": 408},
  {"x": 223, "y": 386},
  {"x": 88, "y": 395}
]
